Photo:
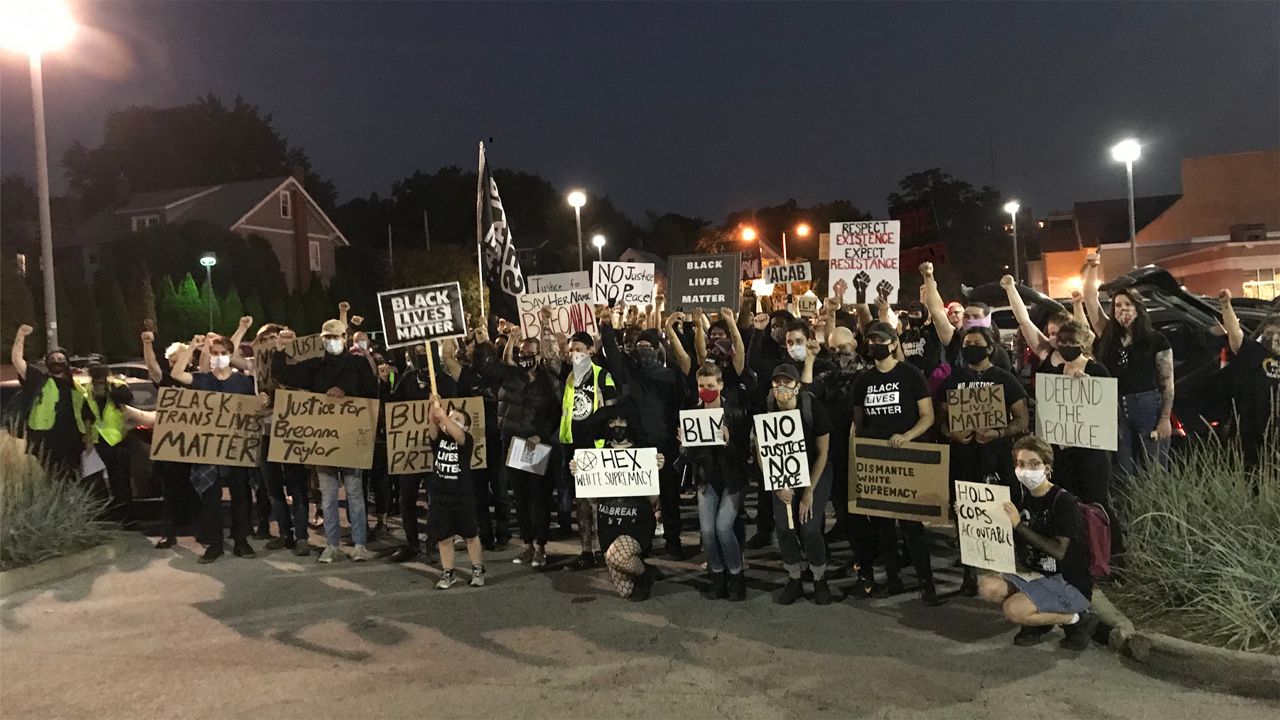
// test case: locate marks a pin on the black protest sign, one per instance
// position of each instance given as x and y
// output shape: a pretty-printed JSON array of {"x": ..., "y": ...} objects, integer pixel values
[
  {"x": 417, "y": 315},
  {"x": 781, "y": 450},
  {"x": 709, "y": 282},
  {"x": 207, "y": 428},
  {"x": 904, "y": 483}
]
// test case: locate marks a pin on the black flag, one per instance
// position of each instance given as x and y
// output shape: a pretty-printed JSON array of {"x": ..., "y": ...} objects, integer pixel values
[{"x": 497, "y": 253}]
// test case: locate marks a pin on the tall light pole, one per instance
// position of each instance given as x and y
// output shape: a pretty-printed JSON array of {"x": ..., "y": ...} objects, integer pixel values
[
  {"x": 208, "y": 260},
  {"x": 598, "y": 241},
  {"x": 577, "y": 199},
  {"x": 35, "y": 28},
  {"x": 1012, "y": 207},
  {"x": 1128, "y": 151}
]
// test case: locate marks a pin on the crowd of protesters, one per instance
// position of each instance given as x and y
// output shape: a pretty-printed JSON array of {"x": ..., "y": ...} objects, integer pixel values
[{"x": 852, "y": 371}]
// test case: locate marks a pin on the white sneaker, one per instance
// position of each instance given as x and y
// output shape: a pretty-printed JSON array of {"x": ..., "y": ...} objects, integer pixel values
[
  {"x": 447, "y": 580},
  {"x": 330, "y": 554},
  {"x": 539, "y": 558},
  {"x": 360, "y": 554},
  {"x": 477, "y": 576}
]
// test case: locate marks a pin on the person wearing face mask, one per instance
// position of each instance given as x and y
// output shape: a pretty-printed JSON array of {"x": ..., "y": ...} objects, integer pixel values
[
  {"x": 287, "y": 483},
  {"x": 208, "y": 480},
  {"x": 1043, "y": 344},
  {"x": 892, "y": 402},
  {"x": 1053, "y": 585},
  {"x": 56, "y": 423},
  {"x": 803, "y": 349},
  {"x": 452, "y": 508},
  {"x": 920, "y": 344},
  {"x": 975, "y": 314},
  {"x": 105, "y": 400},
  {"x": 722, "y": 344},
  {"x": 337, "y": 374},
  {"x": 834, "y": 388},
  {"x": 1255, "y": 370},
  {"x": 766, "y": 349},
  {"x": 1141, "y": 359}
]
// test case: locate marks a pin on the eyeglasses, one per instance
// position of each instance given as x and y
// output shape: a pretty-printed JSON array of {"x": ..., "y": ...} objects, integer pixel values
[
  {"x": 785, "y": 386},
  {"x": 1030, "y": 464}
]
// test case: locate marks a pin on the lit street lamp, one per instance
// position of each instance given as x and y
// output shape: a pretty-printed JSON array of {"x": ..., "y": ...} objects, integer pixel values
[
  {"x": 35, "y": 28},
  {"x": 577, "y": 199},
  {"x": 1128, "y": 151},
  {"x": 598, "y": 241},
  {"x": 802, "y": 230},
  {"x": 1012, "y": 207},
  {"x": 208, "y": 260}
]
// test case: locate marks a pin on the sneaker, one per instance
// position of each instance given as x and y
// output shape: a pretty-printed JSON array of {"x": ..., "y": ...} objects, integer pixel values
[
  {"x": 1031, "y": 635},
  {"x": 821, "y": 593},
  {"x": 791, "y": 593},
  {"x": 166, "y": 543},
  {"x": 447, "y": 580},
  {"x": 211, "y": 553},
  {"x": 524, "y": 558},
  {"x": 278, "y": 543},
  {"x": 404, "y": 554},
  {"x": 929, "y": 596},
  {"x": 243, "y": 549},
  {"x": 891, "y": 588},
  {"x": 584, "y": 561},
  {"x": 477, "y": 576},
  {"x": 360, "y": 554},
  {"x": 737, "y": 587},
  {"x": 1080, "y": 633},
  {"x": 760, "y": 540},
  {"x": 539, "y": 558},
  {"x": 263, "y": 534},
  {"x": 301, "y": 549},
  {"x": 331, "y": 553}
]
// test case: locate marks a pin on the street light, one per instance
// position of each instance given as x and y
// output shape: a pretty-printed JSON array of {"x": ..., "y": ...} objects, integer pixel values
[
  {"x": 35, "y": 28},
  {"x": 208, "y": 260},
  {"x": 1128, "y": 151},
  {"x": 598, "y": 241},
  {"x": 802, "y": 230},
  {"x": 748, "y": 234},
  {"x": 1012, "y": 207},
  {"x": 577, "y": 199}
]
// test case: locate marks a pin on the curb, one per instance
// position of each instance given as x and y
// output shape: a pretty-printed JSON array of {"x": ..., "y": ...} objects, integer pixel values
[
  {"x": 1235, "y": 671},
  {"x": 25, "y": 578}
]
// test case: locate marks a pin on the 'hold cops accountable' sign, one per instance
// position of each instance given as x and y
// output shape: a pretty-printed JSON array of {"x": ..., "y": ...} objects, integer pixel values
[
  {"x": 709, "y": 282},
  {"x": 416, "y": 315},
  {"x": 615, "y": 472},
  {"x": 314, "y": 429},
  {"x": 207, "y": 428},
  {"x": 780, "y": 445},
  {"x": 1077, "y": 412},
  {"x": 986, "y": 535}
]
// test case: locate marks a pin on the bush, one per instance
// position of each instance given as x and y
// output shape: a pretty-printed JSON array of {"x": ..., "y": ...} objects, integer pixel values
[
  {"x": 42, "y": 517},
  {"x": 1203, "y": 560}
]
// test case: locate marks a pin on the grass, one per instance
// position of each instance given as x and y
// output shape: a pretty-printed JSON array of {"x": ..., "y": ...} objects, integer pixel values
[
  {"x": 1203, "y": 560},
  {"x": 42, "y": 517}
]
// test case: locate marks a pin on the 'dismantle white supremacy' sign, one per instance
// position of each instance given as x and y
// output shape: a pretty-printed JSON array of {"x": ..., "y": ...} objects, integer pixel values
[{"x": 416, "y": 315}]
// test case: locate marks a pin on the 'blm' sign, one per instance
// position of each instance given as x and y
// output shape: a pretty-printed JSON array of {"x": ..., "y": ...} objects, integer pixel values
[{"x": 417, "y": 315}]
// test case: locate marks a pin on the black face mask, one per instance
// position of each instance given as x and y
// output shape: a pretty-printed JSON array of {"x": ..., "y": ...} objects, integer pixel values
[
  {"x": 913, "y": 322},
  {"x": 1070, "y": 352},
  {"x": 973, "y": 354},
  {"x": 646, "y": 357},
  {"x": 618, "y": 434},
  {"x": 525, "y": 362},
  {"x": 879, "y": 352},
  {"x": 55, "y": 368}
]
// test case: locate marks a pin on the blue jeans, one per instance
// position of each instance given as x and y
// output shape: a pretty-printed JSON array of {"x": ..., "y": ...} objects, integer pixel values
[
  {"x": 352, "y": 480},
  {"x": 1139, "y": 413},
  {"x": 717, "y": 516}
]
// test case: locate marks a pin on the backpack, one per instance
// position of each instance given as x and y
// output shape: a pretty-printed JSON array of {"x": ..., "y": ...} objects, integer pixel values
[{"x": 1097, "y": 535}]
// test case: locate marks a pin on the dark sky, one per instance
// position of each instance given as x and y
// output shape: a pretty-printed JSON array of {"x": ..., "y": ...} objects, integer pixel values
[{"x": 694, "y": 108}]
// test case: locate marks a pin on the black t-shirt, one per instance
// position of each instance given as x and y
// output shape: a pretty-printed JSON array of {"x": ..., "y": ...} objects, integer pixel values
[
  {"x": 999, "y": 356},
  {"x": 237, "y": 383},
  {"x": 166, "y": 380},
  {"x": 889, "y": 401},
  {"x": 921, "y": 347},
  {"x": 818, "y": 424},
  {"x": 1135, "y": 366},
  {"x": 970, "y": 378},
  {"x": 625, "y": 516},
  {"x": 64, "y": 418},
  {"x": 452, "y": 473},
  {"x": 1257, "y": 387},
  {"x": 1055, "y": 515}
]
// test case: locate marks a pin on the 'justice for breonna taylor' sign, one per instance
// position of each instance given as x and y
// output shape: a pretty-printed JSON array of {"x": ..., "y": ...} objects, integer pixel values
[{"x": 416, "y": 315}]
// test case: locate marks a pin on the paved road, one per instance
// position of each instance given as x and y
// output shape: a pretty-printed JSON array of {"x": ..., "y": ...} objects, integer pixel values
[{"x": 157, "y": 635}]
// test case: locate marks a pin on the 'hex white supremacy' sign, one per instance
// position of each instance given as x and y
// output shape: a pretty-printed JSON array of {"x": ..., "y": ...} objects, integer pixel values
[
  {"x": 416, "y": 315},
  {"x": 615, "y": 472},
  {"x": 783, "y": 454}
]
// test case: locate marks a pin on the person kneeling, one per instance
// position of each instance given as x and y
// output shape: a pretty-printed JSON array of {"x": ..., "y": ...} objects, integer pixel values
[
  {"x": 451, "y": 508},
  {"x": 1055, "y": 588}
]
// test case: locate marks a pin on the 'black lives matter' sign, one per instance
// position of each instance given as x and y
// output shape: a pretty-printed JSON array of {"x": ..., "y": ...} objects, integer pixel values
[
  {"x": 416, "y": 315},
  {"x": 709, "y": 282}
]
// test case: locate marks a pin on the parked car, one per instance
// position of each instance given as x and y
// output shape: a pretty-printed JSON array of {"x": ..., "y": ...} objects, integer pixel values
[{"x": 131, "y": 369}]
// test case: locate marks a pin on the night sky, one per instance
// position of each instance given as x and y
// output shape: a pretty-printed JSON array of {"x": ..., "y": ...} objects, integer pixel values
[{"x": 699, "y": 109}]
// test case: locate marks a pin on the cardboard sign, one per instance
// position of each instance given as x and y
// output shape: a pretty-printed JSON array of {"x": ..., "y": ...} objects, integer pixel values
[
  {"x": 976, "y": 408},
  {"x": 207, "y": 428},
  {"x": 865, "y": 256},
  {"x": 1077, "y": 412},
  {"x": 559, "y": 282},
  {"x": 699, "y": 428},
  {"x": 781, "y": 450},
  {"x": 616, "y": 472},
  {"x": 618, "y": 284},
  {"x": 986, "y": 535},
  {"x": 793, "y": 273},
  {"x": 315, "y": 429},
  {"x": 417, "y": 315},
  {"x": 307, "y": 347},
  {"x": 571, "y": 312},
  {"x": 709, "y": 282},
  {"x": 906, "y": 483},
  {"x": 529, "y": 459},
  {"x": 409, "y": 444},
  {"x": 807, "y": 305}
]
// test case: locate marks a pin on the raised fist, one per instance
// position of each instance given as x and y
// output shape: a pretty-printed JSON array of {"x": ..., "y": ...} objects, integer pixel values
[
  {"x": 1006, "y": 282},
  {"x": 245, "y": 322},
  {"x": 760, "y": 321},
  {"x": 884, "y": 289},
  {"x": 1091, "y": 259},
  {"x": 860, "y": 283},
  {"x": 926, "y": 269},
  {"x": 728, "y": 315},
  {"x": 344, "y": 306},
  {"x": 813, "y": 346},
  {"x": 25, "y": 330},
  {"x": 148, "y": 337},
  {"x": 1224, "y": 295},
  {"x": 839, "y": 290},
  {"x": 357, "y": 320}
]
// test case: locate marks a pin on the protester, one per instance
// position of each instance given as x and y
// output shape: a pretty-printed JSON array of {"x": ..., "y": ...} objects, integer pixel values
[
  {"x": 976, "y": 314},
  {"x": 722, "y": 344},
  {"x": 1141, "y": 359},
  {"x": 765, "y": 351},
  {"x": 55, "y": 425},
  {"x": 834, "y": 389},
  {"x": 451, "y": 508},
  {"x": 1044, "y": 345},
  {"x": 174, "y": 477},
  {"x": 106, "y": 400},
  {"x": 1049, "y": 540},
  {"x": 337, "y": 374},
  {"x": 490, "y": 482},
  {"x": 286, "y": 482},
  {"x": 1255, "y": 379},
  {"x": 919, "y": 339}
]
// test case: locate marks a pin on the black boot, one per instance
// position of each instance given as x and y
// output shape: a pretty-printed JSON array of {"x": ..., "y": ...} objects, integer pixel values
[
  {"x": 737, "y": 586},
  {"x": 791, "y": 593},
  {"x": 717, "y": 586},
  {"x": 643, "y": 586}
]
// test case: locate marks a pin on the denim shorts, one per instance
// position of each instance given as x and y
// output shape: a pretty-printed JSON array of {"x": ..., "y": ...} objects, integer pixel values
[{"x": 1050, "y": 593}]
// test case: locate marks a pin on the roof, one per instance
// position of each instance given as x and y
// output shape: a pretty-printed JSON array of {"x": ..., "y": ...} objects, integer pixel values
[
  {"x": 643, "y": 256},
  {"x": 1107, "y": 221}
]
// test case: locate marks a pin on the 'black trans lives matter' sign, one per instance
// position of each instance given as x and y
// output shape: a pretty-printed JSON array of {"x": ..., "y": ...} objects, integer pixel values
[{"x": 417, "y": 315}]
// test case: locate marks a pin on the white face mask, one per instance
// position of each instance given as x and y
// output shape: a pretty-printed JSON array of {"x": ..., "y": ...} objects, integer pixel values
[
  {"x": 798, "y": 352},
  {"x": 1031, "y": 479},
  {"x": 219, "y": 362},
  {"x": 579, "y": 359},
  {"x": 363, "y": 344},
  {"x": 333, "y": 347}
]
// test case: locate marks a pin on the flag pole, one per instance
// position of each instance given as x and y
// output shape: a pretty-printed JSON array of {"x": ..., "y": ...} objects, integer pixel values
[{"x": 480, "y": 190}]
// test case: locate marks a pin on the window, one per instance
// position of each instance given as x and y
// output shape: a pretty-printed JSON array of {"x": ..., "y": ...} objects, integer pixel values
[
  {"x": 141, "y": 222},
  {"x": 314, "y": 246},
  {"x": 21, "y": 259},
  {"x": 1265, "y": 285},
  {"x": 286, "y": 204}
]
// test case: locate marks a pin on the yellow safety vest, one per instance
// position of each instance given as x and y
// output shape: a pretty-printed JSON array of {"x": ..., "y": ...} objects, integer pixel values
[
  {"x": 43, "y": 411},
  {"x": 108, "y": 422},
  {"x": 566, "y": 409}
]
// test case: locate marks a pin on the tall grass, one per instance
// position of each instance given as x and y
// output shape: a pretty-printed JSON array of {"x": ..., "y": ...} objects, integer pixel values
[
  {"x": 1203, "y": 560},
  {"x": 41, "y": 516}
]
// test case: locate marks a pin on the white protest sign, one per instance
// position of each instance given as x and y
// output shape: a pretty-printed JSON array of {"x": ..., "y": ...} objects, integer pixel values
[
  {"x": 865, "y": 256},
  {"x": 986, "y": 535},
  {"x": 529, "y": 459},
  {"x": 781, "y": 449},
  {"x": 556, "y": 282},
  {"x": 1077, "y": 412},
  {"x": 618, "y": 284},
  {"x": 615, "y": 472},
  {"x": 414, "y": 316},
  {"x": 571, "y": 312},
  {"x": 793, "y": 273},
  {"x": 699, "y": 428}
]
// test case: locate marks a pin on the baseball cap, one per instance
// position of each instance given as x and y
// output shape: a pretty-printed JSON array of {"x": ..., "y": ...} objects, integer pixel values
[
  {"x": 786, "y": 370},
  {"x": 882, "y": 330},
  {"x": 333, "y": 327}
]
